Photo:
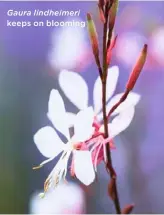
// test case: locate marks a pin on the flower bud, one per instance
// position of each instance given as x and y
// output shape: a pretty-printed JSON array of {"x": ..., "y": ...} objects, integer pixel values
[
  {"x": 101, "y": 3},
  {"x": 113, "y": 42},
  {"x": 137, "y": 69},
  {"x": 101, "y": 14},
  {"x": 109, "y": 51},
  {"x": 112, "y": 14},
  {"x": 127, "y": 209},
  {"x": 93, "y": 35},
  {"x": 109, "y": 56}
]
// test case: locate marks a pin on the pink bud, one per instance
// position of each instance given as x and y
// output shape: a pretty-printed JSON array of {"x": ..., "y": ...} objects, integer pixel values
[
  {"x": 101, "y": 15},
  {"x": 109, "y": 51},
  {"x": 112, "y": 13},
  {"x": 93, "y": 35},
  {"x": 113, "y": 42},
  {"x": 101, "y": 3},
  {"x": 128, "y": 209},
  {"x": 137, "y": 69}
]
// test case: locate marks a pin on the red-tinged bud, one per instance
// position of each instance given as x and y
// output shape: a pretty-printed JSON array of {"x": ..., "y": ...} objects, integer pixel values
[
  {"x": 109, "y": 56},
  {"x": 111, "y": 188},
  {"x": 112, "y": 14},
  {"x": 109, "y": 51},
  {"x": 137, "y": 69},
  {"x": 127, "y": 209},
  {"x": 101, "y": 15},
  {"x": 101, "y": 3},
  {"x": 107, "y": 1},
  {"x": 93, "y": 36},
  {"x": 113, "y": 42}
]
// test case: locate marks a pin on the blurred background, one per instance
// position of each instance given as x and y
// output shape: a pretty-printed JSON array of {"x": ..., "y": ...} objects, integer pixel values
[{"x": 30, "y": 61}]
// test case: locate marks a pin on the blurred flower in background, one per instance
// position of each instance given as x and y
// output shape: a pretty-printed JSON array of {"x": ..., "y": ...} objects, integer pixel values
[
  {"x": 157, "y": 44},
  {"x": 128, "y": 47},
  {"x": 69, "y": 48},
  {"x": 64, "y": 199}
]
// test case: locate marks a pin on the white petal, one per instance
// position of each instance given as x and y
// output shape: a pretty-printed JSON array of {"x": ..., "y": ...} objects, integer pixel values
[
  {"x": 71, "y": 118},
  {"x": 112, "y": 78},
  {"x": 131, "y": 101},
  {"x": 74, "y": 87},
  {"x": 84, "y": 167},
  {"x": 48, "y": 142},
  {"x": 121, "y": 122},
  {"x": 57, "y": 113},
  {"x": 83, "y": 125}
]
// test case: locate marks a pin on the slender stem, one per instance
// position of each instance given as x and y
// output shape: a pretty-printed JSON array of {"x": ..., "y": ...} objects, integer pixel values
[
  {"x": 109, "y": 165},
  {"x": 122, "y": 99},
  {"x": 108, "y": 152},
  {"x": 99, "y": 69},
  {"x": 109, "y": 37}
]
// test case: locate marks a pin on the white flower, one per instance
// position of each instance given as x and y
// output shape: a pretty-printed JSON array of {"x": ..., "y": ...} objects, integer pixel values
[
  {"x": 50, "y": 145},
  {"x": 76, "y": 89},
  {"x": 98, "y": 143}
]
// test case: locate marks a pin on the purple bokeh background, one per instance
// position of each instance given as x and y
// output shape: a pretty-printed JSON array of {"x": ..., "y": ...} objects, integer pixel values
[{"x": 26, "y": 78}]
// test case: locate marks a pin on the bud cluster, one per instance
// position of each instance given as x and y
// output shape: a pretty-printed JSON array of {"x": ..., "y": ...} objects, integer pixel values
[{"x": 107, "y": 14}]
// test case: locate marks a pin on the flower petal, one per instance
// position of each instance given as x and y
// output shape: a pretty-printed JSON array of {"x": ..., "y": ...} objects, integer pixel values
[
  {"x": 131, "y": 101},
  {"x": 48, "y": 142},
  {"x": 74, "y": 87},
  {"x": 121, "y": 122},
  {"x": 84, "y": 170},
  {"x": 57, "y": 113},
  {"x": 112, "y": 78},
  {"x": 71, "y": 118},
  {"x": 83, "y": 125}
]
